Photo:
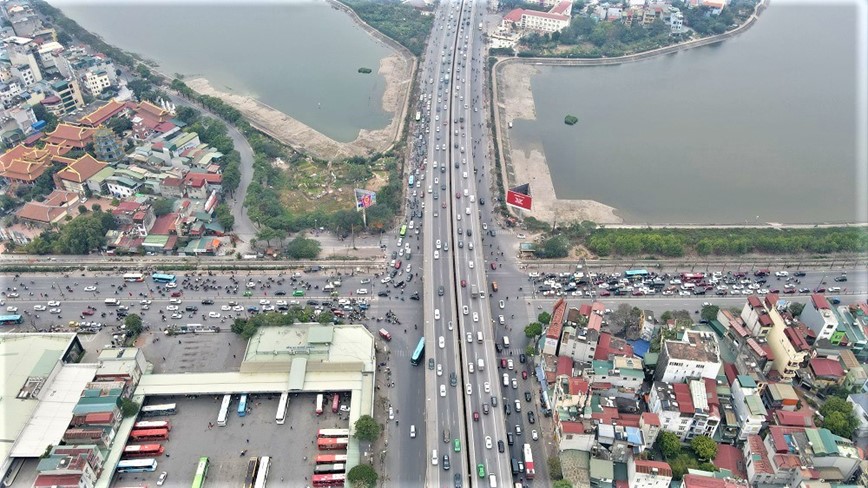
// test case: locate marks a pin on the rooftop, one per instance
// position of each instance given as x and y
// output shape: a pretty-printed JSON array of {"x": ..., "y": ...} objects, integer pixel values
[{"x": 694, "y": 346}]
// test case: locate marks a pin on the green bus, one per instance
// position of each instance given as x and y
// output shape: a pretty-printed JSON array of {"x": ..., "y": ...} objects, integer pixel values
[
  {"x": 419, "y": 353},
  {"x": 201, "y": 473}
]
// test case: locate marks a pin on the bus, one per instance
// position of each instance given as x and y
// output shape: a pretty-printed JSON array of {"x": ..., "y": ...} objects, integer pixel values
[
  {"x": 324, "y": 433},
  {"x": 412, "y": 180},
  {"x": 159, "y": 410},
  {"x": 335, "y": 479},
  {"x": 419, "y": 353},
  {"x": 250, "y": 479},
  {"x": 152, "y": 424},
  {"x": 636, "y": 273},
  {"x": 319, "y": 400},
  {"x": 332, "y": 443},
  {"x": 143, "y": 450},
  {"x": 11, "y": 320},
  {"x": 331, "y": 458},
  {"x": 137, "y": 465},
  {"x": 529, "y": 470},
  {"x": 201, "y": 473},
  {"x": 163, "y": 278},
  {"x": 134, "y": 277},
  {"x": 336, "y": 402},
  {"x": 262, "y": 474},
  {"x": 329, "y": 468},
  {"x": 223, "y": 416},
  {"x": 692, "y": 277},
  {"x": 242, "y": 406},
  {"x": 149, "y": 435},
  {"x": 403, "y": 231},
  {"x": 281, "y": 408}
]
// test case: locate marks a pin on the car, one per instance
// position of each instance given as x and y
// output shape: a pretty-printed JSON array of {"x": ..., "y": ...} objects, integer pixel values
[
  {"x": 522, "y": 358},
  {"x": 365, "y": 281},
  {"x": 443, "y": 390},
  {"x": 453, "y": 379},
  {"x": 441, "y": 290},
  {"x": 510, "y": 439},
  {"x": 524, "y": 375},
  {"x": 391, "y": 413},
  {"x": 53, "y": 303},
  {"x": 469, "y": 388},
  {"x": 89, "y": 311},
  {"x": 413, "y": 431},
  {"x": 238, "y": 308},
  {"x": 514, "y": 384},
  {"x": 438, "y": 244},
  {"x": 172, "y": 308},
  {"x": 162, "y": 478},
  {"x": 439, "y": 369},
  {"x": 465, "y": 310},
  {"x": 457, "y": 480},
  {"x": 531, "y": 417},
  {"x": 800, "y": 274},
  {"x": 500, "y": 446},
  {"x": 469, "y": 337},
  {"x": 501, "y": 304},
  {"x": 92, "y": 288},
  {"x": 469, "y": 263},
  {"x": 476, "y": 416},
  {"x": 463, "y": 283},
  {"x": 488, "y": 443},
  {"x": 456, "y": 445},
  {"x": 39, "y": 308},
  {"x": 362, "y": 291},
  {"x": 493, "y": 266},
  {"x": 171, "y": 285},
  {"x": 527, "y": 396},
  {"x": 533, "y": 434},
  {"x": 386, "y": 280},
  {"x": 458, "y": 195},
  {"x": 436, "y": 314},
  {"x": 214, "y": 315},
  {"x": 834, "y": 289},
  {"x": 501, "y": 319},
  {"x": 480, "y": 470},
  {"x": 518, "y": 429},
  {"x": 12, "y": 309},
  {"x": 510, "y": 364},
  {"x": 280, "y": 293},
  {"x": 177, "y": 315},
  {"x": 441, "y": 342},
  {"x": 264, "y": 302},
  {"x": 446, "y": 464},
  {"x": 475, "y": 317}
]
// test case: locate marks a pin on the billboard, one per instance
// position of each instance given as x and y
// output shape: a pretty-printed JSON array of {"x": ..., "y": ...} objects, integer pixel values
[
  {"x": 365, "y": 199},
  {"x": 519, "y": 197}
]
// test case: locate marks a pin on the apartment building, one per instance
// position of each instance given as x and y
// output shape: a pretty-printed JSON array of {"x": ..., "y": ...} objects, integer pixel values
[
  {"x": 643, "y": 473},
  {"x": 686, "y": 409},
  {"x": 818, "y": 316},
  {"x": 748, "y": 405},
  {"x": 695, "y": 356},
  {"x": 787, "y": 359}
]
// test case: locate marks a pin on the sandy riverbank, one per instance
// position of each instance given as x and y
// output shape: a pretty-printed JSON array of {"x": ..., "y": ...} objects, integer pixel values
[
  {"x": 529, "y": 164},
  {"x": 395, "y": 68}
]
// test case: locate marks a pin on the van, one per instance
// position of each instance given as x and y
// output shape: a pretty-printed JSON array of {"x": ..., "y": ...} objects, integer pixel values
[
  {"x": 505, "y": 341},
  {"x": 479, "y": 336},
  {"x": 112, "y": 302},
  {"x": 505, "y": 379},
  {"x": 434, "y": 457},
  {"x": 467, "y": 211},
  {"x": 480, "y": 364},
  {"x": 492, "y": 481}
]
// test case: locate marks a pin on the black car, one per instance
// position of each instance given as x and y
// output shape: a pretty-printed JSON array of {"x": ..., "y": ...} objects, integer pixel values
[
  {"x": 446, "y": 464},
  {"x": 280, "y": 293},
  {"x": 799, "y": 274},
  {"x": 313, "y": 303},
  {"x": 522, "y": 358},
  {"x": 531, "y": 417},
  {"x": 457, "y": 480},
  {"x": 482, "y": 201},
  {"x": 430, "y": 363},
  {"x": 191, "y": 308},
  {"x": 500, "y": 446},
  {"x": 841, "y": 279},
  {"x": 207, "y": 301},
  {"x": 414, "y": 296},
  {"x": 510, "y": 439},
  {"x": 497, "y": 347},
  {"x": 507, "y": 409},
  {"x": 527, "y": 396},
  {"x": 453, "y": 379},
  {"x": 385, "y": 293},
  {"x": 441, "y": 291}
]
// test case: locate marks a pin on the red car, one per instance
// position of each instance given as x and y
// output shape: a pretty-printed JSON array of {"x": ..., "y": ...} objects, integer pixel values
[
  {"x": 503, "y": 363},
  {"x": 176, "y": 294},
  {"x": 604, "y": 293},
  {"x": 493, "y": 266},
  {"x": 463, "y": 284},
  {"x": 476, "y": 416},
  {"x": 524, "y": 375},
  {"x": 398, "y": 264},
  {"x": 87, "y": 311}
]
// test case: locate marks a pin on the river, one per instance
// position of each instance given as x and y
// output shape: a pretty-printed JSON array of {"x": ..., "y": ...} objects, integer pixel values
[
  {"x": 760, "y": 128},
  {"x": 300, "y": 57}
]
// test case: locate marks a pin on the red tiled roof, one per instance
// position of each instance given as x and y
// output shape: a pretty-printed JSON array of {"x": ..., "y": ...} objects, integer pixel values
[
  {"x": 647, "y": 467},
  {"x": 557, "y": 321},
  {"x": 711, "y": 392},
  {"x": 754, "y": 302},
  {"x": 769, "y": 354},
  {"x": 585, "y": 309},
  {"x": 777, "y": 432},
  {"x": 514, "y": 15},
  {"x": 547, "y": 15},
  {"x": 608, "y": 345},
  {"x": 825, "y": 367},
  {"x": 197, "y": 180},
  {"x": 81, "y": 169},
  {"x": 565, "y": 366},
  {"x": 164, "y": 127},
  {"x": 772, "y": 300},
  {"x": 100, "y": 417},
  {"x": 820, "y": 301},
  {"x": 697, "y": 481},
  {"x": 755, "y": 347},
  {"x": 70, "y": 135},
  {"x": 572, "y": 427},
  {"x": 730, "y": 371},
  {"x": 650, "y": 418},
  {"x": 684, "y": 398},
  {"x": 799, "y": 418},
  {"x": 595, "y": 322},
  {"x": 58, "y": 480},
  {"x": 164, "y": 224},
  {"x": 172, "y": 181},
  {"x": 579, "y": 385},
  {"x": 731, "y": 458},
  {"x": 102, "y": 114},
  {"x": 561, "y": 8},
  {"x": 759, "y": 454}
]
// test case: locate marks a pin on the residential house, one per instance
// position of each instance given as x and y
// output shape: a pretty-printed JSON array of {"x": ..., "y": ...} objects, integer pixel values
[
  {"x": 822, "y": 373},
  {"x": 643, "y": 473},
  {"x": 755, "y": 315},
  {"x": 694, "y": 480},
  {"x": 580, "y": 341},
  {"x": 686, "y": 409},
  {"x": 695, "y": 356},
  {"x": 601, "y": 473},
  {"x": 70, "y": 466},
  {"x": 96, "y": 80},
  {"x": 748, "y": 405},
  {"x": 780, "y": 396},
  {"x": 200, "y": 185},
  {"x": 138, "y": 216},
  {"x": 150, "y": 120},
  {"x": 69, "y": 94},
  {"x": 818, "y": 316},
  {"x": 860, "y": 411},
  {"x": 553, "y": 331},
  {"x": 122, "y": 185},
  {"x": 75, "y": 176},
  {"x": 787, "y": 359},
  {"x": 620, "y": 372},
  {"x": 854, "y": 327},
  {"x": 791, "y": 455},
  {"x": 172, "y": 187}
]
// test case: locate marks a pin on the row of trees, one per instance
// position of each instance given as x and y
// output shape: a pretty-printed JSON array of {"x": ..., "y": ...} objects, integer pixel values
[
  {"x": 396, "y": 19},
  {"x": 246, "y": 328}
]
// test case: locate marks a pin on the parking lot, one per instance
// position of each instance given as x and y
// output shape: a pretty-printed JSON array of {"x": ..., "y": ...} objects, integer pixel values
[{"x": 292, "y": 446}]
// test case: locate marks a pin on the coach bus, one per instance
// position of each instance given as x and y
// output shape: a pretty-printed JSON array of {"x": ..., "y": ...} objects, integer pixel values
[
  {"x": 143, "y": 451},
  {"x": 163, "y": 278},
  {"x": 319, "y": 400},
  {"x": 325, "y": 433},
  {"x": 223, "y": 416},
  {"x": 152, "y": 424},
  {"x": 336, "y": 401},
  {"x": 137, "y": 465},
  {"x": 134, "y": 277},
  {"x": 329, "y": 468},
  {"x": 201, "y": 473},
  {"x": 336, "y": 479},
  {"x": 332, "y": 443},
  {"x": 149, "y": 435},
  {"x": 11, "y": 320},
  {"x": 242, "y": 406},
  {"x": 250, "y": 478},
  {"x": 331, "y": 458},
  {"x": 419, "y": 353},
  {"x": 262, "y": 473},
  {"x": 159, "y": 410},
  {"x": 281, "y": 408}
]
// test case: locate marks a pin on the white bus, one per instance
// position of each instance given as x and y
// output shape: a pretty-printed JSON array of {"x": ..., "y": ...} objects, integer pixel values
[
  {"x": 134, "y": 277},
  {"x": 224, "y": 411},
  {"x": 281, "y": 408},
  {"x": 262, "y": 474},
  {"x": 158, "y": 410}
]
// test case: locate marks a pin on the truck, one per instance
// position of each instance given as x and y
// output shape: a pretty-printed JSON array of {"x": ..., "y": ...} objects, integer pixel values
[
  {"x": 385, "y": 334},
  {"x": 474, "y": 291}
]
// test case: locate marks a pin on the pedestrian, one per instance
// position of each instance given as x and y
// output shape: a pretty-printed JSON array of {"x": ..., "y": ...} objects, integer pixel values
[
  {"x": 167, "y": 455},
  {"x": 233, "y": 356},
  {"x": 248, "y": 441}
]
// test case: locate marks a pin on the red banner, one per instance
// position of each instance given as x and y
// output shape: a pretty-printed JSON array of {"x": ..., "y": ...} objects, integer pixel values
[{"x": 519, "y": 200}]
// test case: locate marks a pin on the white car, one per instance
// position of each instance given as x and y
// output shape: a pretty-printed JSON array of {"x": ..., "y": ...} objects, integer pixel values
[
  {"x": 475, "y": 317},
  {"x": 281, "y": 303},
  {"x": 534, "y": 435},
  {"x": 441, "y": 342},
  {"x": 436, "y": 314},
  {"x": 443, "y": 390},
  {"x": 521, "y": 236},
  {"x": 172, "y": 308},
  {"x": 470, "y": 368},
  {"x": 39, "y": 308},
  {"x": 226, "y": 308},
  {"x": 514, "y": 384},
  {"x": 833, "y": 289},
  {"x": 89, "y": 288},
  {"x": 177, "y": 315},
  {"x": 12, "y": 309},
  {"x": 450, "y": 325},
  {"x": 386, "y": 279},
  {"x": 465, "y": 310},
  {"x": 436, "y": 254},
  {"x": 264, "y": 302},
  {"x": 146, "y": 302},
  {"x": 54, "y": 311},
  {"x": 53, "y": 303},
  {"x": 501, "y": 319},
  {"x": 469, "y": 389},
  {"x": 214, "y": 315},
  {"x": 162, "y": 478},
  {"x": 237, "y": 308},
  {"x": 438, "y": 244},
  {"x": 362, "y": 291},
  {"x": 501, "y": 304},
  {"x": 469, "y": 337},
  {"x": 439, "y": 370},
  {"x": 488, "y": 442},
  {"x": 365, "y": 281},
  {"x": 251, "y": 284},
  {"x": 470, "y": 264},
  {"x": 391, "y": 413},
  {"x": 171, "y": 285},
  {"x": 487, "y": 387}
]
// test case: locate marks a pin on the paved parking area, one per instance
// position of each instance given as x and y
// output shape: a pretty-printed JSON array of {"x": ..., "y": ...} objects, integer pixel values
[{"x": 258, "y": 432}]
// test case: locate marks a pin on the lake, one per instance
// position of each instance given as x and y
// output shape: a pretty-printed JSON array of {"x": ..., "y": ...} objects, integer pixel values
[
  {"x": 760, "y": 128},
  {"x": 300, "y": 57}
]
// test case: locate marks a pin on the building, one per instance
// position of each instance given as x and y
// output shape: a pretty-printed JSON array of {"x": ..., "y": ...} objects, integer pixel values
[
  {"x": 54, "y": 209},
  {"x": 748, "y": 405},
  {"x": 818, "y": 316},
  {"x": 780, "y": 396},
  {"x": 103, "y": 114},
  {"x": 556, "y": 19},
  {"x": 787, "y": 359},
  {"x": 580, "y": 342},
  {"x": 676, "y": 22},
  {"x": 642, "y": 473},
  {"x": 756, "y": 317},
  {"x": 96, "y": 81},
  {"x": 106, "y": 145},
  {"x": 553, "y": 331},
  {"x": 686, "y": 409},
  {"x": 694, "y": 480},
  {"x": 695, "y": 356},
  {"x": 76, "y": 465},
  {"x": 823, "y": 372},
  {"x": 70, "y": 136},
  {"x": 621, "y": 372},
  {"x": 69, "y": 94},
  {"x": 860, "y": 410},
  {"x": 74, "y": 177}
]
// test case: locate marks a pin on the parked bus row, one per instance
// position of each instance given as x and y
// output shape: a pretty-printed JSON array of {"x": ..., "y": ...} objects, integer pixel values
[{"x": 257, "y": 472}]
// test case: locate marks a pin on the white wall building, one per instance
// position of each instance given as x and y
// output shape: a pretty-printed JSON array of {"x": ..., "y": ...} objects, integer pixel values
[
  {"x": 643, "y": 473},
  {"x": 818, "y": 316},
  {"x": 748, "y": 406},
  {"x": 695, "y": 356}
]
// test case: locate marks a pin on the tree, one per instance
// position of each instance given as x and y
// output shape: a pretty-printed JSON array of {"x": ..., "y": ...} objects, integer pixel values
[
  {"x": 544, "y": 318},
  {"x": 709, "y": 312},
  {"x": 42, "y": 113},
  {"x": 362, "y": 476},
  {"x": 530, "y": 350},
  {"x": 129, "y": 408},
  {"x": 796, "y": 308},
  {"x": 120, "y": 124},
  {"x": 669, "y": 444},
  {"x": 533, "y": 329},
  {"x": 625, "y": 317},
  {"x": 555, "y": 470},
  {"x": 838, "y": 416},
  {"x": 367, "y": 429},
  {"x": 134, "y": 324},
  {"x": 96, "y": 207},
  {"x": 162, "y": 206},
  {"x": 82, "y": 209},
  {"x": 704, "y": 447},
  {"x": 562, "y": 484},
  {"x": 554, "y": 247},
  {"x": 303, "y": 248}
]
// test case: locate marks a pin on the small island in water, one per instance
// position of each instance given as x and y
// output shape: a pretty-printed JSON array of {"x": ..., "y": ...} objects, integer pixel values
[
  {"x": 570, "y": 120},
  {"x": 365, "y": 70}
]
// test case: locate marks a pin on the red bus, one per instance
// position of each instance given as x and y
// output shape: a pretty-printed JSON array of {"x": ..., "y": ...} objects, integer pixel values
[
  {"x": 331, "y": 458},
  {"x": 336, "y": 479},
  {"x": 143, "y": 450},
  {"x": 333, "y": 433},
  {"x": 149, "y": 435},
  {"x": 692, "y": 277},
  {"x": 332, "y": 444},
  {"x": 336, "y": 403},
  {"x": 329, "y": 468},
  {"x": 529, "y": 470},
  {"x": 153, "y": 424}
]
